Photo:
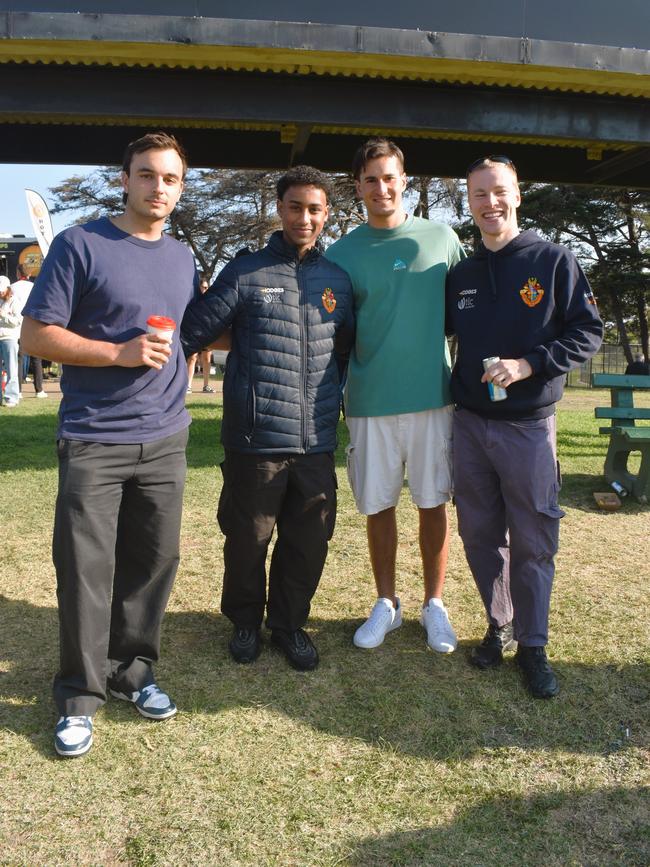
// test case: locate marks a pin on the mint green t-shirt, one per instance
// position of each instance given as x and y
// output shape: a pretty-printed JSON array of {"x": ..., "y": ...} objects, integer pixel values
[{"x": 400, "y": 362}]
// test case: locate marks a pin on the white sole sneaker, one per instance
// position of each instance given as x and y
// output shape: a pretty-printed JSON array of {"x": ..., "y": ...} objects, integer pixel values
[
  {"x": 384, "y": 618},
  {"x": 440, "y": 633},
  {"x": 73, "y": 736},
  {"x": 150, "y": 702}
]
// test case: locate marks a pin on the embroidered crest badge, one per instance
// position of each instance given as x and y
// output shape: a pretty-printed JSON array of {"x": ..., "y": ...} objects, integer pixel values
[
  {"x": 532, "y": 293},
  {"x": 329, "y": 301}
]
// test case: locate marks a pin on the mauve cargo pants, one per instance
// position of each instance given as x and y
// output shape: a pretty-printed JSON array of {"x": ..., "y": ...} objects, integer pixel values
[{"x": 506, "y": 483}]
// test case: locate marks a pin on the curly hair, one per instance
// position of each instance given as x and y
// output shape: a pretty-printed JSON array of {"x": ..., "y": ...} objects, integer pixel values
[{"x": 304, "y": 176}]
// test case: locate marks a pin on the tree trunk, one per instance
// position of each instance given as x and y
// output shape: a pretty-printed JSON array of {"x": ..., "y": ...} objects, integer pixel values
[
  {"x": 422, "y": 207},
  {"x": 642, "y": 313},
  {"x": 617, "y": 309}
]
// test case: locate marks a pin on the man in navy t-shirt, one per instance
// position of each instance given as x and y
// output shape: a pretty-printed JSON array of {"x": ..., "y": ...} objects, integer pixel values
[{"x": 121, "y": 438}]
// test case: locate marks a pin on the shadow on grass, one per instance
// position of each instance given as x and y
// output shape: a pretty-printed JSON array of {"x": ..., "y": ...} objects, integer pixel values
[
  {"x": 400, "y": 697},
  {"x": 606, "y": 826}
]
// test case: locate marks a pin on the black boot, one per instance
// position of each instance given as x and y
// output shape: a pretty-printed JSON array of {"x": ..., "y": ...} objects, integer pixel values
[
  {"x": 489, "y": 652},
  {"x": 538, "y": 674}
]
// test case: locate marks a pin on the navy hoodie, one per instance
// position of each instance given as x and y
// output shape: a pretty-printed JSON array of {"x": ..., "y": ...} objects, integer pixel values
[{"x": 528, "y": 300}]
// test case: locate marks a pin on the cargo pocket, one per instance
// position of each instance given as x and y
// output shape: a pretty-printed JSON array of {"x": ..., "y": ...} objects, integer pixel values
[{"x": 549, "y": 515}]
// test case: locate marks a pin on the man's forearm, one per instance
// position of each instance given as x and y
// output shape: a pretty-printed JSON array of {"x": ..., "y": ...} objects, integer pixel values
[{"x": 65, "y": 347}]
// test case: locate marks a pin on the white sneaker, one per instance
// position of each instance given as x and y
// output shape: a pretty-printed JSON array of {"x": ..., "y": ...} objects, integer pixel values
[
  {"x": 440, "y": 633},
  {"x": 41, "y": 394},
  {"x": 384, "y": 617}
]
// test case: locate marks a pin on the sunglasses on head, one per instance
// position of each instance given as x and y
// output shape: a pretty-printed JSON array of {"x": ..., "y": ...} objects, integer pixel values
[{"x": 497, "y": 158}]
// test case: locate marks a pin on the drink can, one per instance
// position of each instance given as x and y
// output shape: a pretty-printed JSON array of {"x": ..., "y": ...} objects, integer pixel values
[
  {"x": 496, "y": 392},
  {"x": 620, "y": 490}
]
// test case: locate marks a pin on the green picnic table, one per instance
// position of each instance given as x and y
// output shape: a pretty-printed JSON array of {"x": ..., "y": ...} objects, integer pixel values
[{"x": 625, "y": 435}]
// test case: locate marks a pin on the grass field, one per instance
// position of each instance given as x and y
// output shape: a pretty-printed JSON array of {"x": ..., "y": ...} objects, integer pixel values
[{"x": 396, "y": 756}]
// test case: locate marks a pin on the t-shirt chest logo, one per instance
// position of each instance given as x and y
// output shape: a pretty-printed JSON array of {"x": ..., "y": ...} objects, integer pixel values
[
  {"x": 399, "y": 265},
  {"x": 329, "y": 301},
  {"x": 532, "y": 293},
  {"x": 271, "y": 294}
]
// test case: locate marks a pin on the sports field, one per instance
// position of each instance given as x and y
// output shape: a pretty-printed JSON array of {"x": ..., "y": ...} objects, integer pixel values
[{"x": 395, "y": 756}]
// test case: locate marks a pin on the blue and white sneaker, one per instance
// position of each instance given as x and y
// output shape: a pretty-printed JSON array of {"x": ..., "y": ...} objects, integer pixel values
[
  {"x": 150, "y": 701},
  {"x": 73, "y": 735}
]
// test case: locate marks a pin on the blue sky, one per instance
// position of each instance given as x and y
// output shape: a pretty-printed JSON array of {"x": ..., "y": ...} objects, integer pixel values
[{"x": 14, "y": 217}]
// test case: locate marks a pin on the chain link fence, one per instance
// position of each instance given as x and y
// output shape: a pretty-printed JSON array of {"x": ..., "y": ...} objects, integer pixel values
[{"x": 610, "y": 358}]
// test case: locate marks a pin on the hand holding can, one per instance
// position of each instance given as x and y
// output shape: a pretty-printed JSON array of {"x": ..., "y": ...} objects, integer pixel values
[{"x": 495, "y": 391}]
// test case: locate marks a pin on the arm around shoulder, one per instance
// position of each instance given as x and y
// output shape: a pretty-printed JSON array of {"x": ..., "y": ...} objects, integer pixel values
[{"x": 208, "y": 316}]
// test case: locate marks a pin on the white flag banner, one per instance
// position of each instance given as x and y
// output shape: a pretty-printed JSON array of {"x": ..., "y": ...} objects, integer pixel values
[{"x": 41, "y": 221}]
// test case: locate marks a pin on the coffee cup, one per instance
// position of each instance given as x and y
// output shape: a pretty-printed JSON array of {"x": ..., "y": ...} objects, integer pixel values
[{"x": 163, "y": 326}]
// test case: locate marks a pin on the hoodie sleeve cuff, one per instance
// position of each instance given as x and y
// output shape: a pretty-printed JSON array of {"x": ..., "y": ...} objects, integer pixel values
[{"x": 536, "y": 362}]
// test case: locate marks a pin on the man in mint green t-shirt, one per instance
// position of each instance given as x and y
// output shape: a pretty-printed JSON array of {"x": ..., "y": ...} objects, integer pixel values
[{"x": 397, "y": 395}]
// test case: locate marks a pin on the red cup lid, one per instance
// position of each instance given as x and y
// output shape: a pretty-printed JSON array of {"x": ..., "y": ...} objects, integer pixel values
[{"x": 164, "y": 323}]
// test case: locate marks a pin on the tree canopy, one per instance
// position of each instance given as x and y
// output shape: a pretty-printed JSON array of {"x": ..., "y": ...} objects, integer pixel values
[{"x": 223, "y": 210}]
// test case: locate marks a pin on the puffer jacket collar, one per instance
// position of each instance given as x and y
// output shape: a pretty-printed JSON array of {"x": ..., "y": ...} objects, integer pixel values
[{"x": 279, "y": 247}]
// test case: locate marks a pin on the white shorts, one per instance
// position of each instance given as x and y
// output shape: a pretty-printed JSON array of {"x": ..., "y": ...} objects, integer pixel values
[{"x": 383, "y": 447}]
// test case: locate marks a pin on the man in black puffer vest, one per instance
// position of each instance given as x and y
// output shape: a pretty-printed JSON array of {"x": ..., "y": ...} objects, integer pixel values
[{"x": 292, "y": 321}]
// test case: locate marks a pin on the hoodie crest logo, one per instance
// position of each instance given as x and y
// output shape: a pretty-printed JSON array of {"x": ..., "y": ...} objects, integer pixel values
[
  {"x": 329, "y": 301},
  {"x": 532, "y": 293}
]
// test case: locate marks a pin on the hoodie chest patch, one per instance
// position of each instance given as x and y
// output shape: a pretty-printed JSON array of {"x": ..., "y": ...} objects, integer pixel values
[
  {"x": 466, "y": 298},
  {"x": 532, "y": 292}
]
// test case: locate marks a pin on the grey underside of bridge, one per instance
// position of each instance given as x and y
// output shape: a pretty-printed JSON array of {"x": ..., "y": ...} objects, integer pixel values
[{"x": 54, "y": 105}]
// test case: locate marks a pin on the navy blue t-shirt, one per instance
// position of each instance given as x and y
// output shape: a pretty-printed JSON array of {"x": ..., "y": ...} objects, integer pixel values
[{"x": 103, "y": 284}]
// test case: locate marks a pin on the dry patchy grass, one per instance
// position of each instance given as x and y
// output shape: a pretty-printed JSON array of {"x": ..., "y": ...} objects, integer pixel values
[{"x": 396, "y": 756}]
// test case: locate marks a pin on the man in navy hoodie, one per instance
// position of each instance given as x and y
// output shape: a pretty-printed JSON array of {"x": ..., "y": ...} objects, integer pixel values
[{"x": 526, "y": 302}]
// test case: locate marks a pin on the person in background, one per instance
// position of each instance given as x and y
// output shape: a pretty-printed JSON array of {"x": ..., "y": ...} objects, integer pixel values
[
  {"x": 10, "y": 320},
  {"x": 21, "y": 289},
  {"x": 206, "y": 356}
]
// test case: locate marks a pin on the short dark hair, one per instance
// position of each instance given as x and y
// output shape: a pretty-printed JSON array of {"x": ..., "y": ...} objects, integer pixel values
[
  {"x": 153, "y": 141},
  {"x": 304, "y": 176},
  {"x": 372, "y": 150}
]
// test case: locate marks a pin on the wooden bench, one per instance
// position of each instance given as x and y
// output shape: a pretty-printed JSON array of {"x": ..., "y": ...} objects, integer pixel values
[{"x": 625, "y": 435}]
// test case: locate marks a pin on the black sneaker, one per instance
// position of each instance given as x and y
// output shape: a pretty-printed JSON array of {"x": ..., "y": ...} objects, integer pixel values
[
  {"x": 298, "y": 647},
  {"x": 489, "y": 652},
  {"x": 245, "y": 644},
  {"x": 538, "y": 674}
]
